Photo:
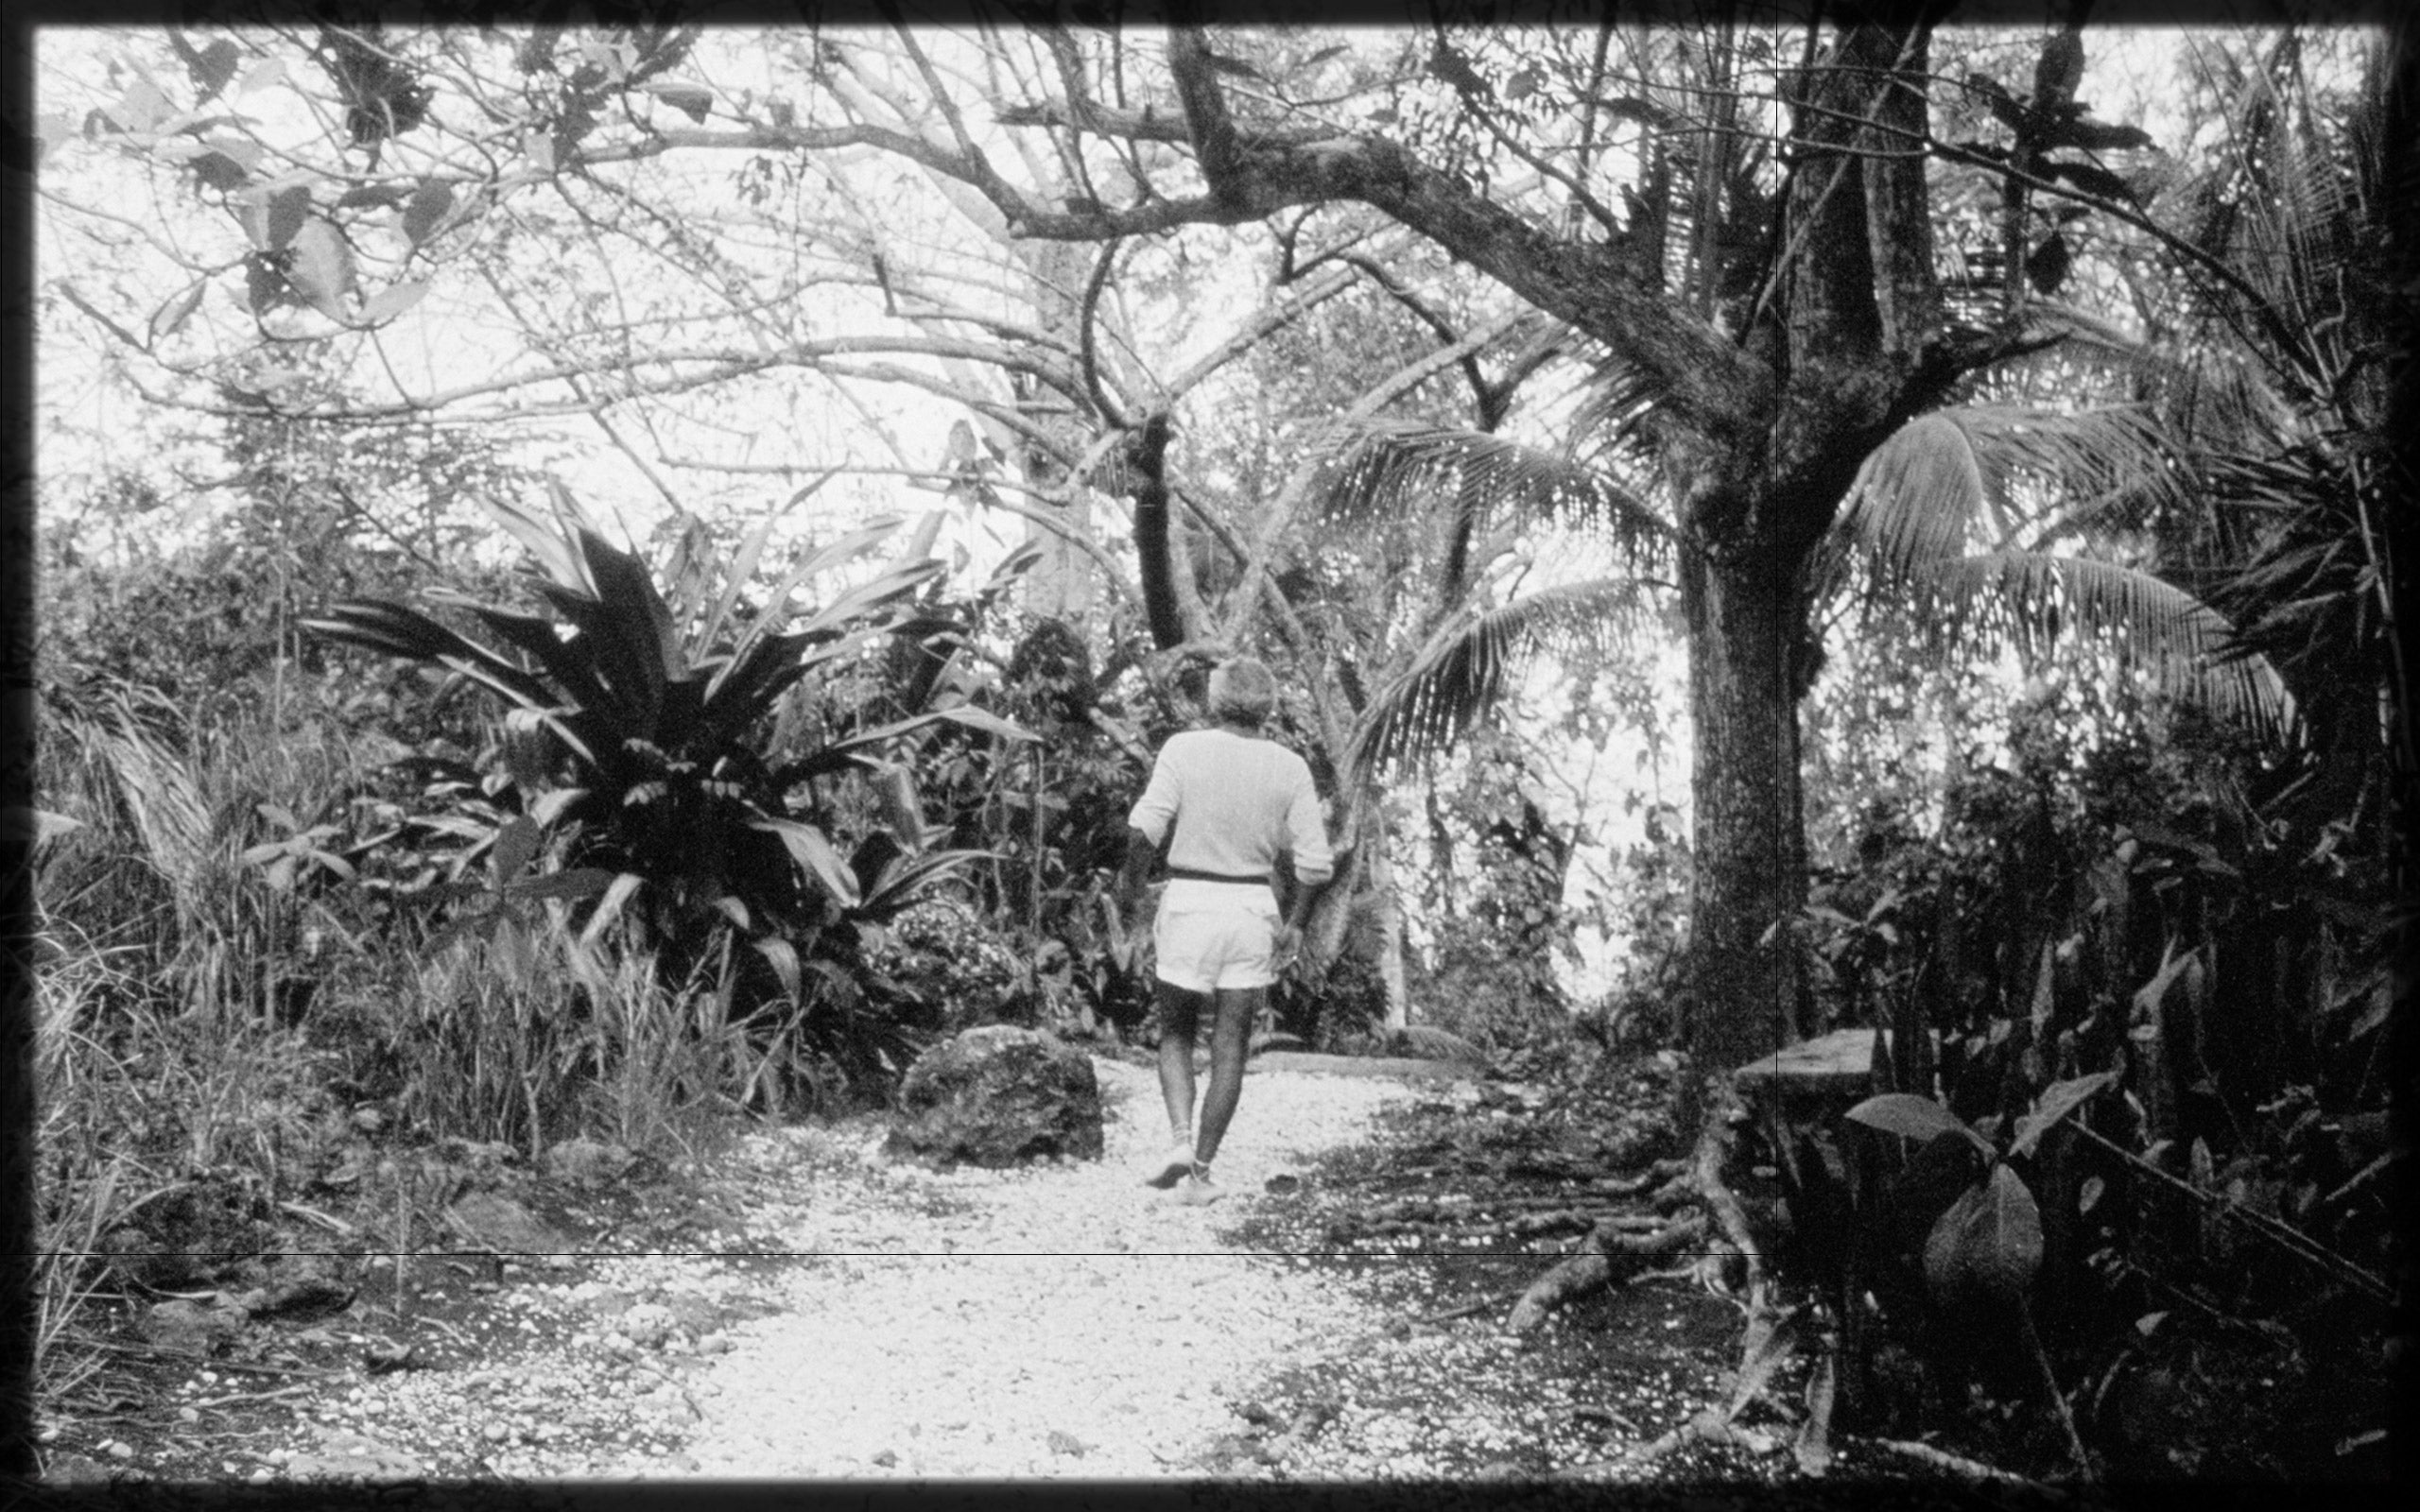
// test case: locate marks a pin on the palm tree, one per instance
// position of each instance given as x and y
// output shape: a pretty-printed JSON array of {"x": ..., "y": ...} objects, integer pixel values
[
  {"x": 2280, "y": 370},
  {"x": 1379, "y": 604},
  {"x": 1993, "y": 517},
  {"x": 1974, "y": 525},
  {"x": 1477, "y": 484}
]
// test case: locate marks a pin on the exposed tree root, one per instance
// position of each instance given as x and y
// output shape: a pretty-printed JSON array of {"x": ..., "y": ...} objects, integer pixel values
[
  {"x": 1620, "y": 1246},
  {"x": 1615, "y": 1248},
  {"x": 1710, "y": 1220},
  {"x": 1957, "y": 1465},
  {"x": 1716, "y": 1140},
  {"x": 1708, "y": 1426}
]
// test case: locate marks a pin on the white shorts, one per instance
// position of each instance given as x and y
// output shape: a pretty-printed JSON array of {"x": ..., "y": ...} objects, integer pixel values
[{"x": 1212, "y": 935}]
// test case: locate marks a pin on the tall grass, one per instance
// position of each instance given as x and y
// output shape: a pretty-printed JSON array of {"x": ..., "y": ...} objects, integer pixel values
[
  {"x": 172, "y": 1049},
  {"x": 667, "y": 1069},
  {"x": 81, "y": 1181},
  {"x": 528, "y": 1036},
  {"x": 166, "y": 812}
]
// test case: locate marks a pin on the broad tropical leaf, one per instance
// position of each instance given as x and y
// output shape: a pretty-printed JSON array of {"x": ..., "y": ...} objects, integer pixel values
[
  {"x": 1915, "y": 1118},
  {"x": 776, "y": 609},
  {"x": 743, "y": 568},
  {"x": 399, "y": 631},
  {"x": 903, "y": 878},
  {"x": 1989, "y": 1244},
  {"x": 2057, "y": 1101},
  {"x": 553, "y": 543},
  {"x": 814, "y": 852}
]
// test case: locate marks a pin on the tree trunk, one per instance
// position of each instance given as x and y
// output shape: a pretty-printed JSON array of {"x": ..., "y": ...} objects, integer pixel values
[
  {"x": 1749, "y": 844},
  {"x": 1360, "y": 904},
  {"x": 1158, "y": 559},
  {"x": 1387, "y": 916},
  {"x": 1064, "y": 583}
]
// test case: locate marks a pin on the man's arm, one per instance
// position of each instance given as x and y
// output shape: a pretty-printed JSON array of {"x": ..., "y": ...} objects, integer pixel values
[
  {"x": 1141, "y": 850},
  {"x": 1149, "y": 822},
  {"x": 1312, "y": 864}
]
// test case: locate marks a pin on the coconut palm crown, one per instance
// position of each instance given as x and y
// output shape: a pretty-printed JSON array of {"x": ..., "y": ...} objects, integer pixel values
[{"x": 1975, "y": 523}]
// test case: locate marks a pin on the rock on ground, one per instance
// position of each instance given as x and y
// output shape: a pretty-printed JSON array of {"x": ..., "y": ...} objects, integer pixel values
[{"x": 999, "y": 1096}]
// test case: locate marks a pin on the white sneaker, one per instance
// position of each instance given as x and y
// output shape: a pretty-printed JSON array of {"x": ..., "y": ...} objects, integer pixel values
[
  {"x": 1200, "y": 1190},
  {"x": 1175, "y": 1168}
]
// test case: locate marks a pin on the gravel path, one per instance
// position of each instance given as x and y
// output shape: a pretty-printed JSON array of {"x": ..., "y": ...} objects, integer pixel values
[
  {"x": 1053, "y": 1320},
  {"x": 1058, "y": 1320}
]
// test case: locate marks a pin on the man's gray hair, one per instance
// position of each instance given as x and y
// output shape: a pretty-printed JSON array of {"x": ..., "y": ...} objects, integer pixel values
[{"x": 1243, "y": 689}]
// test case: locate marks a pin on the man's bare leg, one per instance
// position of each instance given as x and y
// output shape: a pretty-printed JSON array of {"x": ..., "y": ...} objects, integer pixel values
[
  {"x": 1229, "y": 1039},
  {"x": 1180, "y": 1016}
]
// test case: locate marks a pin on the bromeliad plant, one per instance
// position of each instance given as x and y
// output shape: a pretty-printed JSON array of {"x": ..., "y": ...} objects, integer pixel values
[{"x": 640, "y": 753}]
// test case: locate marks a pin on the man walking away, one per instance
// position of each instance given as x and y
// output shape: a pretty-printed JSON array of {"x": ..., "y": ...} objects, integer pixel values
[{"x": 1234, "y": 800}]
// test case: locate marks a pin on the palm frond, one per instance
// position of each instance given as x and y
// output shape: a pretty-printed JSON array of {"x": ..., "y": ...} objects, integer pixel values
[
  {"x": 1460, "y": 674},
  {"x": 158, "y": 793},
  {"x": 2215, "y": 396},
  {"x": 2061, "y": 326},
  {"x": 2044, "y": 606},
  {"x": 1953, "y": 481},
  {"x": 1395, "y": 470},
  {"x": 1619, "y": 402},
  {"x": 1917, "y": 497}
]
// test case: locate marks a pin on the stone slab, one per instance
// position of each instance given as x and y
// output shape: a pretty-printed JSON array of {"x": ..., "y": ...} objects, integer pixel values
[
  {"x": 1409, "y": 1068},
  {"x": 1834, "y": 1064}
]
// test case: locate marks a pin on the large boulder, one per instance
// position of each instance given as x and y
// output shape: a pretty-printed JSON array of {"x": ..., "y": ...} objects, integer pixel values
[{"x": 998, "y": 1096}]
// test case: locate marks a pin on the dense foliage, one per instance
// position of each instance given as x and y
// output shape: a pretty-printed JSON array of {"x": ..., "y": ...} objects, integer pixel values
[
  {"x": 665, "y": 767},
  {"x": 630, "y": 841}
]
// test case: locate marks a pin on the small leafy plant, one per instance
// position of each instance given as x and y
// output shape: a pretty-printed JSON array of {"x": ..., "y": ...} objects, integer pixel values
[
  {"x": 1989, "y": 1240},
  {"x": 1986, "y": 1247}
]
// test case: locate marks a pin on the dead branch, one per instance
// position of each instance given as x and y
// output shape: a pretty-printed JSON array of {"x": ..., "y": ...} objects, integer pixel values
[
  {"x": 1631, "y": 1186},
  {"x": 1585, "y": 1274}
]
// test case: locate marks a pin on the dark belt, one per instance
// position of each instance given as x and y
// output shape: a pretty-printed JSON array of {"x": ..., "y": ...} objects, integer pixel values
[{"x": 1190, "y": 874}]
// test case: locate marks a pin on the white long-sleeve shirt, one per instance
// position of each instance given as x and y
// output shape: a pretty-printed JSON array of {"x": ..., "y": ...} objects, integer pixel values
[{"x": 1236, "y": 800}]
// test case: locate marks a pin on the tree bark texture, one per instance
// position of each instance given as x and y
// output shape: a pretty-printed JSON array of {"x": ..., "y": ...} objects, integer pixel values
[
  {"x": 1155, "y": 543},
  {"x": 1063, "y": 584},
  {"x": 1749, "y": 842}
]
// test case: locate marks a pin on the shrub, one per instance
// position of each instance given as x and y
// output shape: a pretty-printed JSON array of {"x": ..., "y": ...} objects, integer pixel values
[
  {"x": 656, "y": 776},
  {"x": 939, "y": 951}
]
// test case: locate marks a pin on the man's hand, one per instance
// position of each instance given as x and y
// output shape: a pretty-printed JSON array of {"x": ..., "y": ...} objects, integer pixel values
[
  {"x": 1126, "y": 895},
  {"x": 1121, "y": 938},
  {"x": 1289, "y": 944}
]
